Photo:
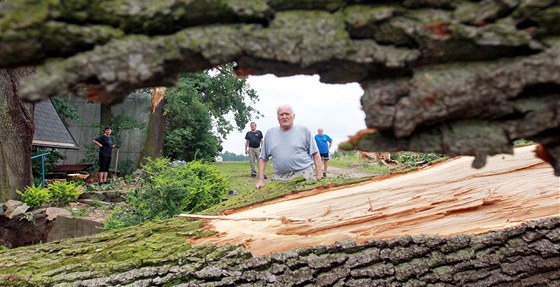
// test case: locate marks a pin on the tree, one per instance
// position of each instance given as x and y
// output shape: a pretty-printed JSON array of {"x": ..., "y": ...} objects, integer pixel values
[
  {"x": 159, "y": 254},
  {"x": 456, "y": 77},
  {"x": 16, "y": 128},
  {"x": 229, "y": 156},
  {"x": 157, "y": 126},
  {"x": 439, "y": 76},
  {"x": 197, "y": 108}
]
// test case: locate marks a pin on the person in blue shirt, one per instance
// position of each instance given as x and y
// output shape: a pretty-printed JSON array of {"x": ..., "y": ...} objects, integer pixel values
[{"x": 324, "y": 143}]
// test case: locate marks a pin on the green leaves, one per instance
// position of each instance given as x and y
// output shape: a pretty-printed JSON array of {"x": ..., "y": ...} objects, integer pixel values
[
  {"x": 63, "y": 192},
  {"x": 60, "y": 192},
  {"x": 34, "y": 196},
  {"x": 168, "y": 189},
  {"x": 196, "y": 110}
]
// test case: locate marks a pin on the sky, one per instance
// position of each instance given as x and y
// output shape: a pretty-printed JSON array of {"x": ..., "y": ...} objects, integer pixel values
[{"x": 335, "y": 108}]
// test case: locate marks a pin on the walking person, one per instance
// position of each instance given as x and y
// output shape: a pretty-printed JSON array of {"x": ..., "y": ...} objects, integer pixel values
[
  {"x": 253, "y": 143},
  {"x": 292, "y": 149},
  {"x": 106, "y": 144},
  {"x": 324, "y": 143}
]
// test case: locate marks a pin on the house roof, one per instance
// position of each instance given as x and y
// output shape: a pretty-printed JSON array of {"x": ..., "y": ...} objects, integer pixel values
[{"x": 50, "y": 130}]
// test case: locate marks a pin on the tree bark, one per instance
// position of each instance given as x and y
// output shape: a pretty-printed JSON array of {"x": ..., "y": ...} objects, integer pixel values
[
  {"x": 157, "y": 254},
  {"x": 157, "y": 127},
  {"x": 16, "y": 135},
  {"x": 435, "y": 72}
]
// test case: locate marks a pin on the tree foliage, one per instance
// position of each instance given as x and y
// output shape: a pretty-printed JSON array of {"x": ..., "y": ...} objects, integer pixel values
[
  {"x": 167, "y": 190},
  {"x": 198, "y": 110},
  {"x": 229, "y": 156}
]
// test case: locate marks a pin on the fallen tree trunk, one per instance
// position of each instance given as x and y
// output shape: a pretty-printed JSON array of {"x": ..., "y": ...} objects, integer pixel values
[
  {"x": 449, "y": 198},
  {"x": 158, "y": 254},
  {"x": 454, "y": 77},
  {"x": 294, "y": 242}
]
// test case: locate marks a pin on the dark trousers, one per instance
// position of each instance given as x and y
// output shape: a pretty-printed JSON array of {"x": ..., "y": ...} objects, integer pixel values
[{"x": 104, "y": 162}]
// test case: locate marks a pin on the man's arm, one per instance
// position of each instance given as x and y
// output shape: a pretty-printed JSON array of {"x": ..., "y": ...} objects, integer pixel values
[
  {"x": 262, "y": 167},
  {"x": 97, "y": 143},
  {"x": 246, "y": 146},
  {"x": 318, "y": 165}
]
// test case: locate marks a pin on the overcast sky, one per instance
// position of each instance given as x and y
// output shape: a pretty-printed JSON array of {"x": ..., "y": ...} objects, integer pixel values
[{"x": 335, "y": 108}]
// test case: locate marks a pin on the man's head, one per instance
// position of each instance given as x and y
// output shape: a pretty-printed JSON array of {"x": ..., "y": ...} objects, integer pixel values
[
  {"x": 107, "y": 130},
  {"x": 320, "y": 131},
  {"x": 286, "y": 116},
  {"x": 253, "y": 126}
]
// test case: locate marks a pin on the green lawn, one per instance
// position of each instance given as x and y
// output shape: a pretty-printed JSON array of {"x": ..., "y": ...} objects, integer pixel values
[
  {"x": 239, "y": 174},
  {"x": 241, "y": 181}
]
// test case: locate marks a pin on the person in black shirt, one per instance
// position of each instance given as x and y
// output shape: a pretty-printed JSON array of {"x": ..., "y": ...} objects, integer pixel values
[
  {"x": 106, "y": 144},
  {"x": 253, "y": 142}
]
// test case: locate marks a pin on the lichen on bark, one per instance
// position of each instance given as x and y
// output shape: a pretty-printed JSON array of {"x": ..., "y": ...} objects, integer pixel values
[
  {"x": 451, "y": 61},
  {"x": 158, "y": 254}
]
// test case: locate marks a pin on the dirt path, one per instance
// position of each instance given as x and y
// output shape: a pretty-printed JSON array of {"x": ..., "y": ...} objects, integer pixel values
[{"x": 446, "y": 199}]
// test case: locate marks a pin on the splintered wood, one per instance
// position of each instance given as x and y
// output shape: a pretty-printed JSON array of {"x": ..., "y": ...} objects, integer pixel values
[{"x": 446, "y": 199}]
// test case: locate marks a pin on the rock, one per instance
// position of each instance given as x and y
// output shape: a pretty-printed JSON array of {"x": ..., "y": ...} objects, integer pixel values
[
  {"x": 21, "y": 209},
  {"x": 54, "y": 212},
  {"x": 10, "y": 206},
  {"x": 70, "y": 227}
]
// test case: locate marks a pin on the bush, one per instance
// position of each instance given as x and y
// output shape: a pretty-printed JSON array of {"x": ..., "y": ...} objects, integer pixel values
[
  {"x": 167, "y": 190},
  {"x": 62, "y": 192},
  {"x": 35, "y": 196}
]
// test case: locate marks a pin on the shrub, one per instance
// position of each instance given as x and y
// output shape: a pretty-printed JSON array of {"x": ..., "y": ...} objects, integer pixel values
[
  {"x": 62, "y": 192},
  {"x": 167, "y": 190},
  {"x": 35, "y": 196}
]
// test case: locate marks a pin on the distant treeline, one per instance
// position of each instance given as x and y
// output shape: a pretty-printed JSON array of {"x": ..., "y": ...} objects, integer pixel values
[{"x": 229, "y": 156}]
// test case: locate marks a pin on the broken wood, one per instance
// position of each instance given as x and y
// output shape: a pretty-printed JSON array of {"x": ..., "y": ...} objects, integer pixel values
[{"x": 446, "y": 199}]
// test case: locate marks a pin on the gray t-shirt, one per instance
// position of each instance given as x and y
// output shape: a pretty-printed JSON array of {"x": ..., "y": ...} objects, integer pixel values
[{"x": 291, "y": 150}]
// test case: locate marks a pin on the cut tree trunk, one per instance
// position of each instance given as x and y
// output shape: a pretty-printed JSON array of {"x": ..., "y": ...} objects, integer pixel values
[
  {"x": 353, "y": 242},
  {"x": 157, "y": 127},
  {"x": 447, "y": 199},
  {"x": 16, "y": 135}
]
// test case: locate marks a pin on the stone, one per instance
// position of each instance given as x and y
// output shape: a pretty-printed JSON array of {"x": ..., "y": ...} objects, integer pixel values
[
  {"x": 19, "y": 210},
  {"x": 11, "y": 205},
  {"x": 70, "y": 227},
  {"x": 54, "y": 212}
]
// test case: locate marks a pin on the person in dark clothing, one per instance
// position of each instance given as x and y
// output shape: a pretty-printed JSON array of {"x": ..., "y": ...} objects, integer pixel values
[
  {"x": 253, "y": 142},
  {"x": 106, "y": 144}
]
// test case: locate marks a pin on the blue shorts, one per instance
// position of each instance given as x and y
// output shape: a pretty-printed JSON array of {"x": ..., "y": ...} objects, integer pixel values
[{"x": 324, "y": 156}]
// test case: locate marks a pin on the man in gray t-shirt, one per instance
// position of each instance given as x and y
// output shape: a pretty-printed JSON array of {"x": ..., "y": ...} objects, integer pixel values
[{"x": 292, "y": 148}]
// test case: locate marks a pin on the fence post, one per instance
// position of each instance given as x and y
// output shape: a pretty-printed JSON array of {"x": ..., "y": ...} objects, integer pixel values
[{"x": 42, "y": 166}]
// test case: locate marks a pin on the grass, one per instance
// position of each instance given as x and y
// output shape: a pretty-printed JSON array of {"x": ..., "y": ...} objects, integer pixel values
[
  {"x": 351, "y": 160},
  {"x": 241, "y": 181},
  {"x": 244, "y": 184}
]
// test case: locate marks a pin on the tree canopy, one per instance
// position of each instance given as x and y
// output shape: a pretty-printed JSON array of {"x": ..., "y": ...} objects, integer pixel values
[{"x": 197, "y": 112}]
